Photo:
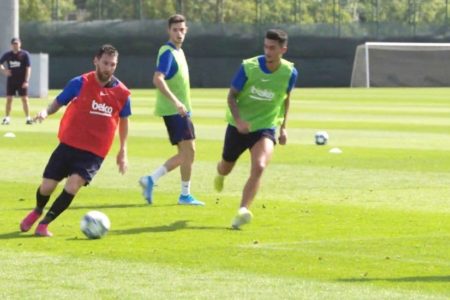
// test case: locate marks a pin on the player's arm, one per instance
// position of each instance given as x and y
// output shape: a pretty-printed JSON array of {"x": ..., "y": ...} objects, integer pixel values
[
  {"x": 160, "y": 83},
  {"x": 165, "y": 63},
  {"x": 239, "y": 80},
  {"x": 27, "y": 77},
  {"x": 5, "y": 71},
  {"x": 122, "y": 156},
  {"x": 241, "y": 125},
  {"x": 71, "y": 91},
  {"x": 51, "y": 109},
  {"x": 282, "y": 139}
]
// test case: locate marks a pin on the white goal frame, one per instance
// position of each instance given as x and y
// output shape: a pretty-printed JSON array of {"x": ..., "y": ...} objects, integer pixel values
[{"x": 367, "y": 46}]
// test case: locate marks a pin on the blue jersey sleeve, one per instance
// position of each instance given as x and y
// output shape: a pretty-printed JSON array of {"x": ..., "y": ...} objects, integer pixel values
[
  {"x": 71, "y": 91},
  {"x": 292, "y": 80},
  {"x": 239, "y": 79},
  {"x": 167, "y": 64},
  {"x": 27, "y": 59},
  {"x": 126, "y": 110}
]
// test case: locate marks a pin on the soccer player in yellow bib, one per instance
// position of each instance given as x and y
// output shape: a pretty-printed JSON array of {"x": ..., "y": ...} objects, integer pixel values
[
  {"x": 173, "y": 104},
  {"x": 258, "y": 102}
]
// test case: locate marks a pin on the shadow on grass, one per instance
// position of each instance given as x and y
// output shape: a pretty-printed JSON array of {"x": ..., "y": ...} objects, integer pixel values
[
  {"x": 15, "y": 235},
  {"x": 104, "y": 206},
  {"x": 444, "y": 278},
  {"x": 112, "y": 206},
  {"x": 178, "y": 225}
]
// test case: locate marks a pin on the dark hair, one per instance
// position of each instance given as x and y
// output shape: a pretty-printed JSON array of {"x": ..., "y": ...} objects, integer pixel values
[
  {"x": 107, "y": 49},
  {"x": 175, "y": 19},
  {"x": 277, "y": 35}
]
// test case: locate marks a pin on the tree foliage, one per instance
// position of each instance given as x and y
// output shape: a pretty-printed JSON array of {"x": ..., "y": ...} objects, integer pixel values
[
  {"x": 244, "y": 11},
  {"x": 45, "y": 10}
]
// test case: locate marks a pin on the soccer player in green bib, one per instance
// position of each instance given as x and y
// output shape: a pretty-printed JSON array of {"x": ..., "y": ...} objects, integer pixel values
[
  {"x": 258, "y": 102},
  {"x": 173, "y": 103}
]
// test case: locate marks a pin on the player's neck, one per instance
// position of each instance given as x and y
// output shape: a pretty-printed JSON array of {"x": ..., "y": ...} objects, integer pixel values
[
  {"x": 102, "y": 83},
  {"x": 273, "y": 65},
  {"x": 177, "y": 45}
]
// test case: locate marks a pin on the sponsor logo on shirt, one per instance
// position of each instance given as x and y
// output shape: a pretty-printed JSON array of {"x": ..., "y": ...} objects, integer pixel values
[
  {"x": 101, "y": 109},
  {"x": 14, "y": 64},
  {"x": 261, "y": 94}
]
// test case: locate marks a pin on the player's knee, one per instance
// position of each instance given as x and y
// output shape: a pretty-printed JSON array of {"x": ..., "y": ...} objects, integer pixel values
[
  {"x": 224, "y": 168},
  {"x": 258, "y": 168}
]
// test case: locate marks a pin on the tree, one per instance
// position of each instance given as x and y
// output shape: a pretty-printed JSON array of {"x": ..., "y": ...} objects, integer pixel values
[{"x": 41, "y": 10}]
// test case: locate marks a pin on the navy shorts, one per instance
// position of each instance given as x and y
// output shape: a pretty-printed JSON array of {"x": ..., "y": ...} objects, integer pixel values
[
  {"x": 67, "y": 160},
  {"x": 179, "y": 128},
  {"x": 14, "y": 88},
  {"x": 236, "y": 143}
]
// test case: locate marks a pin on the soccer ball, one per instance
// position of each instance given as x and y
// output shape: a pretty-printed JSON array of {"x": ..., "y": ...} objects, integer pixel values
[
  {"x": 321, "y": 137},
  {"x": 95, "y": 224}
]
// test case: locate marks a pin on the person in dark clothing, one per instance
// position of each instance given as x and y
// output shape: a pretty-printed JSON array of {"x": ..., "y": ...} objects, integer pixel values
[{"x": 15, "y": 65}]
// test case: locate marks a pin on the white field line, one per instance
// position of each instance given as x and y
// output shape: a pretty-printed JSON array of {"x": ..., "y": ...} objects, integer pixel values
[
  {"x": 363, "y": 239},
  {"x": 289, "y": 246}
]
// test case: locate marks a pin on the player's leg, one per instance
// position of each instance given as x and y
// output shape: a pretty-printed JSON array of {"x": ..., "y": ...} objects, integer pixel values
[
  {"x": 223, "y": 169},
  {"x": 148, "y": 182},
  {"x": 43, "y": 194},
  {"x": 234, "y": 145},
  {"x": 261, "y": 153},
  {"x": 186, "y": 150},
  {"x": 80, "y": 167},
  {"x": 26, "y": 107},
  {"x": 7, "y": 119},
  {"x": 54, "y": 172},
  {"x": 62, "y": 202}
]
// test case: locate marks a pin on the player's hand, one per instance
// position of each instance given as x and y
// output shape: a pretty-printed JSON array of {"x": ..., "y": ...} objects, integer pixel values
[
  {"x": 282, "y": 139},
  {"x": 41, "y": 116},
  {"x": 25, "y": 84},
  {"x": 243, "y": 127},
  {"x": 181, "y": 109},
  {"x": 7, "y": 72},
  {"x": 122, "y": 161}
]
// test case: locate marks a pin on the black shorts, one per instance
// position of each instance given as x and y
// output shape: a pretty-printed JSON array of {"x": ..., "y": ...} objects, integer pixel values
[
  {"x": 179, "y": 128},
  {"x": 236, "y": 143},
  {"x": 14, "y": 88},
  {"x": 67, "y": 160}
]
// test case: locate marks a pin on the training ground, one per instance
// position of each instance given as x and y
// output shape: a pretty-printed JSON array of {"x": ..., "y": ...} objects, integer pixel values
[{"x": 372, "y": 222}]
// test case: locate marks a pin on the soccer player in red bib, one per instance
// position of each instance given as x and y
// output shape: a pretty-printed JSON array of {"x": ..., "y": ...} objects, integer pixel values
[{"x": 97, "y": 103}]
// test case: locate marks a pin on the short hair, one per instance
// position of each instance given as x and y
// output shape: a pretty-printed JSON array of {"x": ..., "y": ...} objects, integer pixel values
[
  {"x": 175, "y": 19},
  {"x": 107, "y": 49},
  {"x": 277, "y": 35}
]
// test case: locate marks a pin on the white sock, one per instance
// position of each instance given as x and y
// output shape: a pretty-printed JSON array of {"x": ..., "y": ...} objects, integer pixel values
[
  {"x": 185, "y": 188},
  {"x": 28, "y": 118},
  {"x": 7, "y": 119},
  {"x": 242, "y": 210},
  {"x": 158, "y": 173}
]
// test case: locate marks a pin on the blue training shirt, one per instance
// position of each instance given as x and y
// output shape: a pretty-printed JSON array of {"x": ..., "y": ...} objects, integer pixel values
[
  {"x": 167, "y": 63},
  {"x": 240, "y": 78},
  {"x": 73, "y": 88}
]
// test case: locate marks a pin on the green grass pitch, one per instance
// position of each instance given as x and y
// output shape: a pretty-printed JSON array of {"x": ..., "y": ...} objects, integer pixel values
[{"x": 370, "y": 223}]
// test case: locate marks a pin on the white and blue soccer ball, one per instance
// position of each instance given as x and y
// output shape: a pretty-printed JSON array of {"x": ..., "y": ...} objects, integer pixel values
[
  {"x": 321, "y": 138},
  {"x": 95, "y": 224}
]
